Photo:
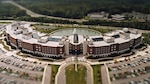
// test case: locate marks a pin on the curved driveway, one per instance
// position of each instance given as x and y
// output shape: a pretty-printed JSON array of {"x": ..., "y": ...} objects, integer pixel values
[{"x": 61, "y": 75}]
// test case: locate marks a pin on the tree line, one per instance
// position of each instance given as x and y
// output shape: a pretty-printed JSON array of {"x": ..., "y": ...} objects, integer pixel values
[
  {"x": 45, "y": 20},
  {"x": 146, "y": 39},
  {"x": 129, "y": 24},
  {"x": 8, "y": 11},
  {"x": 80, "y": 8}
]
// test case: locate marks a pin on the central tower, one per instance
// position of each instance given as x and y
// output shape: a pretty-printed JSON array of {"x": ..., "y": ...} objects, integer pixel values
[{"x": 76, "y": 45}]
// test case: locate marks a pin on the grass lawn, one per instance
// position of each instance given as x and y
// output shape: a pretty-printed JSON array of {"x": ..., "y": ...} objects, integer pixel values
[
  {"x": 73, "y": 77},
  {"x": 54, "y": 72},
  {"x": 5, "y": 22},
  {"x": 5, "y": 46},
  {"x": 97, "y": 74},
  {"x": 22, "y": 54},
  {"x": 2, "y": 42}
]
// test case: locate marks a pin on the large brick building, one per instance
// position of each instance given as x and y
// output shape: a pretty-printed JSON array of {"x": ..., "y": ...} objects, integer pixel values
[{"x": 21, "y": 36}]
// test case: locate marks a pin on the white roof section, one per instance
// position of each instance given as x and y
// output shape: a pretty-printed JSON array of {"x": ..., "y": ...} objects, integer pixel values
[
  {"x": 112, "y": 33},
  {"x": 100, "y": 43},
  {"x": 44, "y": 37},
  {"x": 97, "y": 15},
  {"x": 118, "y": 40},
  {"x": 33, "y": 40},
  {"x": 100, "y": 40},
  {"x": 100, "y": 36},
  {"x": 59, "y": 37},
  {"x": 118, "y": 16}
]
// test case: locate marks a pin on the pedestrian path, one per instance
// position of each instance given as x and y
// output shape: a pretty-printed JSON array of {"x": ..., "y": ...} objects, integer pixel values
[{"x": 47, "y": 75}]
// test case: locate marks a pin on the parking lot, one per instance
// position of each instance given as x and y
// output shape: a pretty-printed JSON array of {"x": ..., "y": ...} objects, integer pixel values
[
  {"x": 135, "y": 71},
  {"x": 15, "y": 70}
]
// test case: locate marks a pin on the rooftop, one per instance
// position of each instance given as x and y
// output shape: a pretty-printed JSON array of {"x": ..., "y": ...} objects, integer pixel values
[
  {"x": 35, "y": 34},
  {"x": 118, "y": 36}
]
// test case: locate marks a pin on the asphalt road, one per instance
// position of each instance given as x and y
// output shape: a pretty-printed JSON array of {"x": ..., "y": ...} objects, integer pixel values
[
  {"x": 105, "y": 75},
  {"x": 47, "y": 75}
]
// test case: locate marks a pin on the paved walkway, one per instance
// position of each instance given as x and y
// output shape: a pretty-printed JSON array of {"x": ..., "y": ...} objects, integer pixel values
[
  {"x": 47, "y": 75},
  {"x": 105, "y": 75}
]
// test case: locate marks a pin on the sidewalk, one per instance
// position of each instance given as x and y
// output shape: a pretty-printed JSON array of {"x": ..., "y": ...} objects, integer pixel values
[{"x": 47, "y": 75}]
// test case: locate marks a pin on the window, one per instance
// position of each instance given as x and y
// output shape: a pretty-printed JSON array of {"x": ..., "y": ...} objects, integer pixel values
[
  {"x": 114, "y": 46},
  {"x": 60, "y": 50},
  {"x": 90, "y": 50},
  {"x": 39, "y": 48},
  {"x": 76, "y": 47}
]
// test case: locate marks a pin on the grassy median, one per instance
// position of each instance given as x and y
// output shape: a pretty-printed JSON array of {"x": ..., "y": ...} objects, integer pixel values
[
  {"x": 97, "y": 74},
  {"x": 54, "y": 72},
  {"x": 73, "y": 77}
]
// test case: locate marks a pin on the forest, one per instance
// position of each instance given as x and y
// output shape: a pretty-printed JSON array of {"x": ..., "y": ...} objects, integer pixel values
[
  {"x": 128, "y": 24},
  {"x": 146, "y": 39},
  {"x": 77, "y": 9},
  {"x": 8, "y": 11},
  {"x": 80, "y": 8}
]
